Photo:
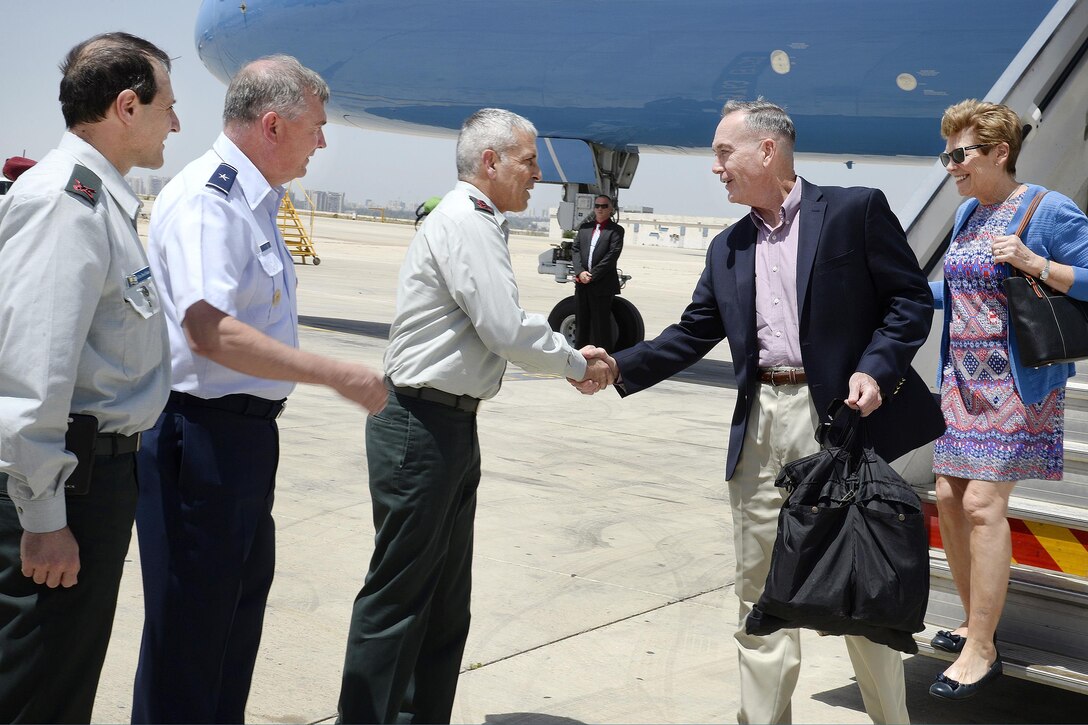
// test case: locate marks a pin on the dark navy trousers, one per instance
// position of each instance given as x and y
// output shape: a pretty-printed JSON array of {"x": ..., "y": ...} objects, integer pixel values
[
  {"x": 53, "y": 641},
  {"x": 410, "y": 620},
  {"x": 207, "y": 552}
]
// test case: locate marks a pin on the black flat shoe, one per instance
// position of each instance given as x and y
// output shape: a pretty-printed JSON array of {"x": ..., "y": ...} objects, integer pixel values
[
  {"x": 946, "y": 688},
  {"x": 948, "y": 642}
]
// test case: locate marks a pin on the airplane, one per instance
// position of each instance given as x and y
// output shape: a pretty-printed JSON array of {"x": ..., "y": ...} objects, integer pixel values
[
  {"x": 603, "y": 80},
  {"x": 863, "y": 79},
  {"x": 860, "y": 77}
]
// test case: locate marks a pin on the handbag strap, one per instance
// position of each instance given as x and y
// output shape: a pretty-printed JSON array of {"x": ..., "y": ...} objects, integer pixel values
[{"x": 1023, "y": 227}]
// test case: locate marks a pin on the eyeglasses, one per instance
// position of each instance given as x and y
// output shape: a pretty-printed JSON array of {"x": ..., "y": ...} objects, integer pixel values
[
  {"x": 960, "y": 154},
  {"x": 602, "y": 206}
]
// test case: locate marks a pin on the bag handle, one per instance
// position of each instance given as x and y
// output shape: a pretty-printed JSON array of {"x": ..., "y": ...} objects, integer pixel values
[
  {"x": 839, "y": 416},
  {"x": 1023, "y": 227}
]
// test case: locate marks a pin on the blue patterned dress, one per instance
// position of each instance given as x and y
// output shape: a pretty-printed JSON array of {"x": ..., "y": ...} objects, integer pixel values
[{"x": 992, "y": 435}]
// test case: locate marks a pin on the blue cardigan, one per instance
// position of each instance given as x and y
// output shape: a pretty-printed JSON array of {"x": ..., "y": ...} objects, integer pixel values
[{"x": 1058, "y": 231}]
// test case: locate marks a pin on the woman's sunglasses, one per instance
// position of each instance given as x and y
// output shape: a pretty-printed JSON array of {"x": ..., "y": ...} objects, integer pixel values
[{"x": 958, "y": 155}]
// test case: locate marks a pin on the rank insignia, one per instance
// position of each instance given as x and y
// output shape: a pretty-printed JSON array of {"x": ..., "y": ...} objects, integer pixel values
[
  {"x": 482, "y": 205},
  {"x": 223, "y": 178},
  {"x": 84, "y": 184}
]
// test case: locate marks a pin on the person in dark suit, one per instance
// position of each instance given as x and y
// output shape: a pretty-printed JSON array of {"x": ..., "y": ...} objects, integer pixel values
[
  {"x": 595, "y": 251},
  {"x": 821, "y": 298}
]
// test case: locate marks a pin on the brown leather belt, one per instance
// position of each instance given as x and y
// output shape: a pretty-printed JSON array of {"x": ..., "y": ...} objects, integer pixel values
[{"x": 783, "y": 376}]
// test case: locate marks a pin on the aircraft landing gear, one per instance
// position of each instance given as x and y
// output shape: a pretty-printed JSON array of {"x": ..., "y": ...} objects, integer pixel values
[{"x": 628, "y": 328}]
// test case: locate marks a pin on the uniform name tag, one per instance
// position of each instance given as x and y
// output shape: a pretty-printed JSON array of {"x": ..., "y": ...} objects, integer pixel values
[
  {"x": 265, "y": 247},
  {"x": 139, "y": 276}
]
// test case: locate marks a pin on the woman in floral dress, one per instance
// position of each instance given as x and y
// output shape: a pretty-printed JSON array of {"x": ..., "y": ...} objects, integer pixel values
[{"x": 1005, "y": 420}]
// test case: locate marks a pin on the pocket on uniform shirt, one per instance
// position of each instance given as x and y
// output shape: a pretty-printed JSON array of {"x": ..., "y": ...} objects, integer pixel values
[
  {"x": 141, "y": 294},
  {"x": 270, "y": 261}
]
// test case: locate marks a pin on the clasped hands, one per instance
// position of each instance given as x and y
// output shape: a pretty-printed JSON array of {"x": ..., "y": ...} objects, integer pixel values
[{"x": 601, "y": 371}]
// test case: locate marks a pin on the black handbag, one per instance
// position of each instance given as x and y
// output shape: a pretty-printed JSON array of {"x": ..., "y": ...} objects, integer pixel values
[
  {"x": 1050, "y": 327},
  {"x": 852, "y": 554}
]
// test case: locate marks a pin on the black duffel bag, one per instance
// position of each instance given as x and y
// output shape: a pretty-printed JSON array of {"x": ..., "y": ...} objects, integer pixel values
[{"x": 852, "y": 555}]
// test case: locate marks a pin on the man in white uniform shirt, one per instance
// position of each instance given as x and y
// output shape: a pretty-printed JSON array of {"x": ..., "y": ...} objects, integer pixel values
[
  {"x": 83, "y": 348},
  {"x": 458, "y": 322},
  {"x": 207, "y": 471}
]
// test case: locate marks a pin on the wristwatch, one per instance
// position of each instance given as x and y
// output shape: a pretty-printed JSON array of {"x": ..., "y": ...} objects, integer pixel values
[{"x": 1046, "y": 272}]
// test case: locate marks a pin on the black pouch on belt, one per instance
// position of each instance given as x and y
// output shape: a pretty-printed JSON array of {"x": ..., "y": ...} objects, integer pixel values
[{"x": 80, "y": 440}]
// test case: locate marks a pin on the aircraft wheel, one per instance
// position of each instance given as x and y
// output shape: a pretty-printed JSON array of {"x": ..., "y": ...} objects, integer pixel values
[
  {"x": 629, "y": 328},
  {"x": 562, "y": 318},
  {"x": 317, "y": 261}
]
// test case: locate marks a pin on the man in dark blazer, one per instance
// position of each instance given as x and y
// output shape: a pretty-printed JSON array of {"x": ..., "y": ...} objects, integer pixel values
[
  {"x": 820, "y": 297},
  {"x": 595, "y": 251}
]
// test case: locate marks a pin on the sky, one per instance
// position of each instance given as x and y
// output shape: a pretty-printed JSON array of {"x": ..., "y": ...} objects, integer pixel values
[{"x": 363, "y": 164}]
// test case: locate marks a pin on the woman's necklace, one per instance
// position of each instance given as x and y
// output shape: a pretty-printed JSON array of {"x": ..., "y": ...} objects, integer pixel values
[{"x": 1011, "y": 194}]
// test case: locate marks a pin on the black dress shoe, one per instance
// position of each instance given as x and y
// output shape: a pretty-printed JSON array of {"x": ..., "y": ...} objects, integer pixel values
[
  {"x": 948, "y": 689},
  {"x": 948, "y": 642}
]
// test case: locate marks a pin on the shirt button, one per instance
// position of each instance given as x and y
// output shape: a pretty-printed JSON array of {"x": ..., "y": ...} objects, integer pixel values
[
  {"x": 776, "y": 300},
  {"x": 778, "y": 334},
  {"x": 774, "y": 268}
]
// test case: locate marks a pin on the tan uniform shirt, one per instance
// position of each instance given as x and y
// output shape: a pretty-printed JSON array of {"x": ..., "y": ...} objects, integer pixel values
[
  {"x": 81, "y": 324},
  {"x": 458, "y": 318}
]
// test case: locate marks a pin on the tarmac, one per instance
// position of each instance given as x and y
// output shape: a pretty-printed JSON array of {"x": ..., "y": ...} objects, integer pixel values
[{"x": 603, "y": 569}]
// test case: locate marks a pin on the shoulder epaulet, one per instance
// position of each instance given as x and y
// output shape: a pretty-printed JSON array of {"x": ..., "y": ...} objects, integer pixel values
[
  {"x": 84, "y": 184},
  {"x": 223, "y": 179},
  {"x": 482, "y": 205}
]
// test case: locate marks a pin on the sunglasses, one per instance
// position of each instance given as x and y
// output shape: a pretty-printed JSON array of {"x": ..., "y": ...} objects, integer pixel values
[
  {"x": 958, "y": 155},
  {"x": 601, "y": 206}
]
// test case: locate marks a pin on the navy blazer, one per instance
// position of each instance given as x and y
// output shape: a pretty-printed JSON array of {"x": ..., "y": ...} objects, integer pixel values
[
  {"x": 864, "y": 306},
  {"x": 606, "y": 279}
]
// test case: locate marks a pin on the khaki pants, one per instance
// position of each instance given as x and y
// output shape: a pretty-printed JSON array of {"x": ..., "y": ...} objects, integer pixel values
[{"x": 780, "y": 430}]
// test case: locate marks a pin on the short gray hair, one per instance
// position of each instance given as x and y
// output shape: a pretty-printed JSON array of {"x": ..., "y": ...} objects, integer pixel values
[
  {"x": 274, "y": 83},
  {"x": 764, "y": 117},
  {"x": 488, "y": 128}
]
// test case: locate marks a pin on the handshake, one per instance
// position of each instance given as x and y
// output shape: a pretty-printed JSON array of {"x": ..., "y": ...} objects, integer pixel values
[{"x": 601, "y": 371}]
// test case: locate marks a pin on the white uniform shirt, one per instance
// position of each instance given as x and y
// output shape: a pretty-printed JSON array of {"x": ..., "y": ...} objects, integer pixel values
[
  {"x": 223, "y": 248},
  {"x": 81, "y": 323},
  {"x": 458, "y": 317}
]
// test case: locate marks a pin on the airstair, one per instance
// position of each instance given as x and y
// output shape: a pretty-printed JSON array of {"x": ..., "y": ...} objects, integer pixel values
[{"x": 299, "y": 240}]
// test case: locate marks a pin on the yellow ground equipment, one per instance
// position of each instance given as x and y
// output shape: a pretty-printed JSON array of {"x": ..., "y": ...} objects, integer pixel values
[{"x": 298, "y": 239}]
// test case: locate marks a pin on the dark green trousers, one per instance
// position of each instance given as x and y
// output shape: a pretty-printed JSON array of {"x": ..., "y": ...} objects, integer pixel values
[
  {"x": 411, "y": 618},
  {"x": 53, "y": 641}
]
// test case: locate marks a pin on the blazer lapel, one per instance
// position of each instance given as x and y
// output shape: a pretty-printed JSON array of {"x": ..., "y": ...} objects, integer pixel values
[
  {"x": 744, "y": 268},
  {"x": 811, "y": 218}
]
